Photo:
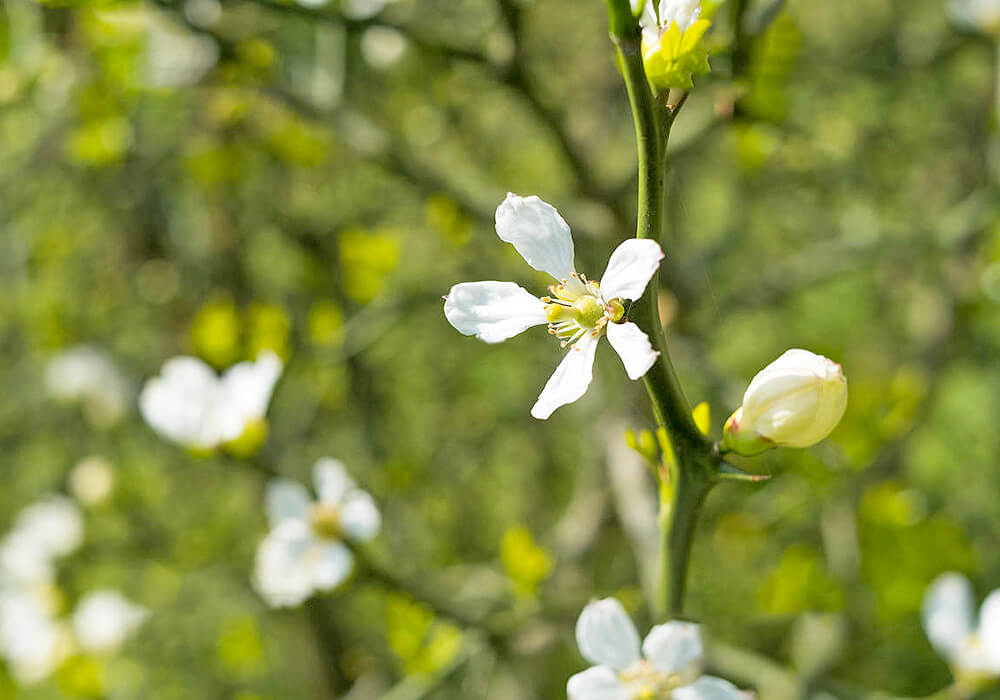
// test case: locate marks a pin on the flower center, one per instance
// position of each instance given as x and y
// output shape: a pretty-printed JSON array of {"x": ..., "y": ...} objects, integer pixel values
[
  {"x": 646, "y": 683},
  {"x": 325, "y": 521},
  {"x": 576, "y": 307}
]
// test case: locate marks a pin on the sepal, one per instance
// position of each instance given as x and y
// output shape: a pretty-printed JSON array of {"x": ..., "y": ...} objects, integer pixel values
[{"x": 730, "y": 473}]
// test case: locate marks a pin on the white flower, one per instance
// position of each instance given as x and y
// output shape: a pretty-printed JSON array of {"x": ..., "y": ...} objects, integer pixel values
[
  {"x": 189, "y": 404},
  {"x": 87, "y": 375},
  {"x": 51, "y": 528},
  {"x": 579, "y": 311},
  {"x": 979, "y": 15},
  {"x": 92, "y": 480},
  {"x": 669, "y": 665},
  {"x": 971, "y": 649},
  {"x": 32, "y": 641},
  {"x": 304, "y": 551},
  {"x": 104, "y": 619},
  {"x": 795, "y": 401}
]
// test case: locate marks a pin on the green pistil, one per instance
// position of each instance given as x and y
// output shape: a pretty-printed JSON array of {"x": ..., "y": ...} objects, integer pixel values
[{"x": 589, "y": 311}]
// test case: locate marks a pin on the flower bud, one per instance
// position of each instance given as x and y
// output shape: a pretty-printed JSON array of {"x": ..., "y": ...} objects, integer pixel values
[
  {"x": 672, "y": 43},
  {"x": 795, "y": 401}
]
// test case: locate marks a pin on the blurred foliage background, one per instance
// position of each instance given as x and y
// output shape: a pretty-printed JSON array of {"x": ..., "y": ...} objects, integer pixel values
[{"x": 216, "y": 178}]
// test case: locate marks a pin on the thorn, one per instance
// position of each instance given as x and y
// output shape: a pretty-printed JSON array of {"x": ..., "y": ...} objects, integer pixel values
[{"x": 730, "y": 473}]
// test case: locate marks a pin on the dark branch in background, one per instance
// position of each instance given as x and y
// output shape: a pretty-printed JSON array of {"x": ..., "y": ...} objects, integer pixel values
[
  {"x": 317, "y": 613},
  {"x": 355, "y": 26},
  {"x": 518, "y": 77},
  {"x": 515, "y": 74},
  {"x": 392, "y": 158}
]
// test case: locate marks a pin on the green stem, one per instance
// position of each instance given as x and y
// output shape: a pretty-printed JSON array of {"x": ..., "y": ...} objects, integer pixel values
[
  {"x": 678, "y": 517},
  {"x": 694, "y": 465},
  {"x": 652, "y": 127}
]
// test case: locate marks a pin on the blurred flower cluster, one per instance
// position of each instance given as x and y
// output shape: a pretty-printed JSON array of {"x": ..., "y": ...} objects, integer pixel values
[{"x": 37, "y": 632}]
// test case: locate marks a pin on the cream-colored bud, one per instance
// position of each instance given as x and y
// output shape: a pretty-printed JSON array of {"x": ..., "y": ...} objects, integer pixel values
[{"x": 795, "y": 401}]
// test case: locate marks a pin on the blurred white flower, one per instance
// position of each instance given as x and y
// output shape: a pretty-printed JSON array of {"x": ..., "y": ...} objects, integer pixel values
[
  {"x": 304, "y": 551},
  {"x": 35, "y": 640},
  {"x": 191, "y": 405},
  {"x": 971, "y": 649},
  {"x": 91, "y": 480},
  {"x": 176, "y": 57},
  {"x": 87, "y": 375},
  {"x": 51, "y": 528},
  {"x": 979, "y": 15},
  {"x": 104, "y": 619},
  {"x": 795, "y": 401},
  {"x": 32, "y": 641},
  {"x": 669, "y": 665},
  {"x": 579, "y": 311}
]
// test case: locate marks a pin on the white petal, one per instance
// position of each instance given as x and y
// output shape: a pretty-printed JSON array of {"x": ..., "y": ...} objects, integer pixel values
[
  {"x": 683, "y": 12},
  {"x": 947, "y": 614},
  {"x": 633, "y": 346},
  {"x": 32, "y": 642},
  {"x": 709, "y": 688},
  {"x": 359, "y": 516},
  {"x": 23, "y": 562},
  {"x": 104, "y": 619},
  {"x": 180, "y": 403},
  {"x": 286, "y": 499},
  {"x": 570, "y": 380},
  {"x": 597, "y": 683},
  {"x": 538, "y": 232},
  {"x": 606, "y": 635},
  {"x": 674, "y": 648},
  {"x": 648, "y": 18},
  {"x": 630, "y": 268},
  {"x": 332, "y": 481},
  {"x": 331, "y": 566},
  {"x": 55, "y": 524},
  {"x": 282, "y": 572},
  {"x": 989, "y": 629},
  {"x": 973, "y": 659},
  {"x": 247, "y": 387},
  {"x": 492, "y": 311}
]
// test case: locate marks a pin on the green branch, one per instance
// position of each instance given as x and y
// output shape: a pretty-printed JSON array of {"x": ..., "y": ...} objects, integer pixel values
[{"x": 693, "y": 466}]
